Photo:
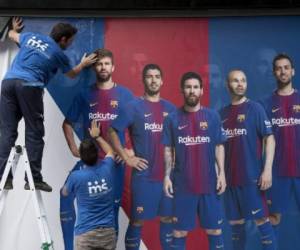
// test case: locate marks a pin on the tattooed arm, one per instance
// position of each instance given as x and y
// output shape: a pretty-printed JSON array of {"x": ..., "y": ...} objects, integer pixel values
[{"x": 169, "y": 163}]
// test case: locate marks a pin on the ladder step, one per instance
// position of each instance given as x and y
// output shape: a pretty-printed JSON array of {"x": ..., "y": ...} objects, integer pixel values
[{"x": 15, "y": 154}]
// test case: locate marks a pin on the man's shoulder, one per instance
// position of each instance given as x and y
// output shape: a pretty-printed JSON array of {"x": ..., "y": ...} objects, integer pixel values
[
  {"x": 168, "y": 104},
  {"x": 123, "y": 90},
  {"x": 210, "y": 111}
]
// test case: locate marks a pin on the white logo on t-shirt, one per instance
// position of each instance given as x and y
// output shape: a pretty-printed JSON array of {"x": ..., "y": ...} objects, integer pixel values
[{"x": 96, "y": 187}]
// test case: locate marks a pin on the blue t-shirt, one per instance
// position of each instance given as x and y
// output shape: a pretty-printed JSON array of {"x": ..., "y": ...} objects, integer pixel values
[
  {"x": 38, "y": 60},
  {"x": 284, "y": 113},
  {"x": 145, "y": 122},
  {"x": 102, "y": 105},
  {"x": 245, "y": 126},
  {"x": 93, "y": 188},
  {"x": 194, "y": 135}
]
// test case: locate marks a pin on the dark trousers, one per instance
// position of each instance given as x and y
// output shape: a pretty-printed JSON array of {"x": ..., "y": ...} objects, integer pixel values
[{"x": 19, "y": 101}]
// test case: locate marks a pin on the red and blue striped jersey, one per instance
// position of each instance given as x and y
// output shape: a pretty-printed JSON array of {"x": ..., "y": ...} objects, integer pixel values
[
  {"x": 245, "y": 126},
  {"x": 145, "y": 122},
  {"x": 284, "y": 113},
  {"x": 102, "y": 105},
  {"x": 194, "y": 135}
]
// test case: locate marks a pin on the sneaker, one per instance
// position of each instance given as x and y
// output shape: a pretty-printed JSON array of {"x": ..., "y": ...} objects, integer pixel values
[
  {"x": 39, "y": 185},
  {"x": 8, "y": 184}
]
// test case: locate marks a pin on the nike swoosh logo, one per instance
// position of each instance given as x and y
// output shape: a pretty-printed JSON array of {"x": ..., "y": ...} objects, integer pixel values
[
  {"x": 117, "y": 201},
  {"x": 220, "y": 222},
  {"x": 219, "y": 246},
  {"x": 275, "y": 110},
  {"x": 255, "y": 211},
  {"x": 93, "y": 104},
  {"x": 182, "y": 127},
  {"x": 224, "y": 120},
  {"x": 147, "y": 115}
]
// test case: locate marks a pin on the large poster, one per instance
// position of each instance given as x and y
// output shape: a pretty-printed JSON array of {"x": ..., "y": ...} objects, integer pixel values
[{"x": 209, "y": 46}]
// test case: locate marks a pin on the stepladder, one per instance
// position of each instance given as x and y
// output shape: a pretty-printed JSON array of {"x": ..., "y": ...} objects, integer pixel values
[{"x": 18, "y": 157}]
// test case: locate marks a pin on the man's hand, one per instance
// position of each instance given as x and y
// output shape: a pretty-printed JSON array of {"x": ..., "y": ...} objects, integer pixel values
[
  {"x": 265, "y": 180},
  {"x": 17, "y": 24},
  {"x": 137, "y": 163},
  {"x": 88, "y": 60},
  {"x": 94, "y": 129},
  {"x": 221, "y": 183},
  {"x": 168, "y": 187}
]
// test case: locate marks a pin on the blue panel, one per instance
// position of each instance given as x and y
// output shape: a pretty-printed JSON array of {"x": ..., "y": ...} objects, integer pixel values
[{"x": 250, "y": 44}]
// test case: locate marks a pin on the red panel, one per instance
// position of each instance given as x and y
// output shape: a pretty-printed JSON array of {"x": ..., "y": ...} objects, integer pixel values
[{"x": 178, "y": 45}]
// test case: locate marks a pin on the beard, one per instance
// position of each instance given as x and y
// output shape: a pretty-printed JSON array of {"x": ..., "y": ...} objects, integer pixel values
[
  {"x": 151, "y": 92},
  {"x": 191, "y": 100},
  {"x": 103, "y": 78},
  {"x": 282, "y": 84}
]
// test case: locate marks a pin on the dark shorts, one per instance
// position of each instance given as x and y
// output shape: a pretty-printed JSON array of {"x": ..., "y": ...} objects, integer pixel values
[
  {"x": 148, "y": 199},
  {"x": 281, "y": 192},
  {"x": 188, "y": 206},
  {"x": 247, "y": 202}
]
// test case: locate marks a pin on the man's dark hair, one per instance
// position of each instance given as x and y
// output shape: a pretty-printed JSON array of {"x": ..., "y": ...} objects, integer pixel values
[
  {"x": 280, "y": 57},
  {"x": 61, "y": 30},
  {"x": 88, "y": 151},
  {"x": 151, "y": 66},
  {"x": 190, "y": 75},
  {"x": 101, "y": 53}
]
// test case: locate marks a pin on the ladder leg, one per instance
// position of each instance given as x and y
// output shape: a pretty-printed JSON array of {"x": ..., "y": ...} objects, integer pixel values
[
  {"x": 11, "y": 164},
  {"x": 39, "y": 207}
]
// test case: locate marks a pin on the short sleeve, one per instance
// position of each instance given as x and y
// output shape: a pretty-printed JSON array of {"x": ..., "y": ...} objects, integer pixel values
[
  {"x": 167, "y": 139},
  {"x": 63, "y": 62},
  {"x": 124, "y": 119},
  {"x": 24, "y": 37},
  {"x": 75, "y": 109},
  {"x": 263, "y": 124},
  {"x": 220, "y": 132},
  {"x": 70, "y": 183}
]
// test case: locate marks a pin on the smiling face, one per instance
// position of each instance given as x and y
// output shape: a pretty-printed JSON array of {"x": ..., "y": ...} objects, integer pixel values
[
  {"x": 283, "y": 72},
  {"x": 152, "y": 82}
]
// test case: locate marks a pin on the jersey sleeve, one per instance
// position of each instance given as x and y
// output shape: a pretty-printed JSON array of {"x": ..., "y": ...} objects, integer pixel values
[
  {"x": 128, "y": 96},
  {"x": 220, "y": 132},
  {"x": 124, "y": 119},
  {"x": 263, "y": 124},
  {"x": 63, "y": 62},
  {"x": 75, "y": 109},
  {"x": 109, "y": 161},
  {"x": 167, "y": 138},
  {"x": 70, "y": 184},
  {"x": 24, "y": 37}
]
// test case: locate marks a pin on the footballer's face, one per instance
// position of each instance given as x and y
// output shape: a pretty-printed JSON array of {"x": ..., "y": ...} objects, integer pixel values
[
  {"x": 104, "y": 69},
  {"x": 237, "y": 83},
  {"x": 283, "y": 72},
  {"x": 152, "y": 82},
  {"x": 192, "y": 92}
]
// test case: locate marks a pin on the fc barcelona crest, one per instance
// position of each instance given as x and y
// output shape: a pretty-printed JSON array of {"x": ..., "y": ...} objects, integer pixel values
[
  {"x": 203, "y": 125},
  {"x": 241, "y": 117},
  {"x": 296, "y": 108},
  {"x": 114, "y": 103}
]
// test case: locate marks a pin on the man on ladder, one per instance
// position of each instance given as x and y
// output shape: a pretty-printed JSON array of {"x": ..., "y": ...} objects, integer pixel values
[{"x": 39, "y": 58}]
